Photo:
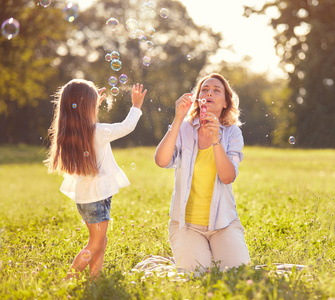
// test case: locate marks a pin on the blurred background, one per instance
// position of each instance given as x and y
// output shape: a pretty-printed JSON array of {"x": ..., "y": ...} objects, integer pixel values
[{"x": 279, "y": 56}]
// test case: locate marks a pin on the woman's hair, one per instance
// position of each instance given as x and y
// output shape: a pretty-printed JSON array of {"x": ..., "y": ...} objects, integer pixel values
[
  {"x": 230, "y": 114},
  {"x": 72, "y": 130}
]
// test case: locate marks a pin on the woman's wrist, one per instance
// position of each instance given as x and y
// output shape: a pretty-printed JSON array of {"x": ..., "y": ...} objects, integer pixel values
[
  {"x": 174, "y": 125},
  {"x": 177, "y": 121},
  {"x": 216, "y": 141}
]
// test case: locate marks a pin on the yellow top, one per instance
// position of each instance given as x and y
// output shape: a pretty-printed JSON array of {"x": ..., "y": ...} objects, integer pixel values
[{"x": 199, "y": 201}]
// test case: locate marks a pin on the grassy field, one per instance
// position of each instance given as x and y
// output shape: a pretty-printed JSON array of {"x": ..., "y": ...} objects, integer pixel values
[{"x": 285, "y": 201}]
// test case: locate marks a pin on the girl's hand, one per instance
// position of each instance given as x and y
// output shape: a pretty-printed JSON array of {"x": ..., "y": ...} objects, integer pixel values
[
  {"x": 137, "y": 95},
  {"x": 183, "y": 105},
  {"x": 213, "y": 126},
  {"x": 101, "y": 95}
]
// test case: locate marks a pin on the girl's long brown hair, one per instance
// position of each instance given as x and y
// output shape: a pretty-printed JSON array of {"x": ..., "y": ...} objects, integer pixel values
[
  {"x": 230, "y": 114},
  {"x": 72, "y": 130}
]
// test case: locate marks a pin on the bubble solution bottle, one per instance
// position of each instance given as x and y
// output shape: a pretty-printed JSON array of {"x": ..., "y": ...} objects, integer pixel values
[{"x": 203, "y": 110}]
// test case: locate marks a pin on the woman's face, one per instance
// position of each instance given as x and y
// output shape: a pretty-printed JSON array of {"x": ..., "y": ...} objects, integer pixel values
[{"x": 213, "y": 91}]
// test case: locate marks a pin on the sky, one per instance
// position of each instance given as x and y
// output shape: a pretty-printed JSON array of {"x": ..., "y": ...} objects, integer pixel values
[{"x": 251, "y": 36}]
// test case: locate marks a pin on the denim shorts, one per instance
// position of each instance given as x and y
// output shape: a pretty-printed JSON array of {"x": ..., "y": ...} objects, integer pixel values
[{"x": 95, "y": 212}]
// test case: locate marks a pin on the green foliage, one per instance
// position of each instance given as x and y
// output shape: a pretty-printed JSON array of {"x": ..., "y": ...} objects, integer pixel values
[
  {"x": 48, "y": 52},
  {"x": 264, "y": 105},
  {"x": 25, "y": 68},
  {"x": 169, "y": 75},
  {"x": 261, "y": 102},
  {"x": 306, "y": 44},
  {"x": 285, "y": 199}
]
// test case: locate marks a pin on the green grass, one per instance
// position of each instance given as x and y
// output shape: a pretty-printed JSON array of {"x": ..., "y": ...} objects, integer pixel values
[{"x": 285, "y": 199}]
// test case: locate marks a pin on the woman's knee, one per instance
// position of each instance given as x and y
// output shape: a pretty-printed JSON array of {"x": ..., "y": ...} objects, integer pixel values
[{"x": 190, "y": 249}]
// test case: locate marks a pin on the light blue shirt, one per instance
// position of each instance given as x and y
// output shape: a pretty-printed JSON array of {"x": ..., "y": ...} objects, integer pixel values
[{"x": 223, "y": 206}]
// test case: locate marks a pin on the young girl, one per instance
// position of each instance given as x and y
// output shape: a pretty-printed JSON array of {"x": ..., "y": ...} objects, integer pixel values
[
  {"x": 205, "y": 150},
  {"x": 80, "y": 148}
]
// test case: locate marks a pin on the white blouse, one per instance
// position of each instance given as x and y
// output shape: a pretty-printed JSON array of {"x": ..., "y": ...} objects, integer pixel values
[{"x": 87, "y": 189}]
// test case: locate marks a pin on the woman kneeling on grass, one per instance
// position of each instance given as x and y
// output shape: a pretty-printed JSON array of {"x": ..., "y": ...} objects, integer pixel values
[
  {"x": 80, "y": 148},
  {"x": 205, "y": 151}
]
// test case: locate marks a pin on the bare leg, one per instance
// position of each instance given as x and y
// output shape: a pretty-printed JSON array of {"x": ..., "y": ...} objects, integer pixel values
[
  {"x": 99, "y": 232},
  {"x": 93, "y": 253}
]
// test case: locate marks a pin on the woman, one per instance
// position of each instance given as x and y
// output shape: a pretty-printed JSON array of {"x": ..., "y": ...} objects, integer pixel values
[{"x": 205, "y": 151}]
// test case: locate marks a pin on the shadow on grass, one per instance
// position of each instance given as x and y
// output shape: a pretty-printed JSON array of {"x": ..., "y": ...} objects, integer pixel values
[
  {"x": 109, "y": 286},
  {"x": 250, "y": 283},
  {"x": 21, "y": 154}
]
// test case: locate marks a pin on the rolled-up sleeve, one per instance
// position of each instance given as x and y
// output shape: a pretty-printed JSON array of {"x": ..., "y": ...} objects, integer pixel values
[
  {"x": 234, "y": 147},
  {"x": 175, "y": 161}
]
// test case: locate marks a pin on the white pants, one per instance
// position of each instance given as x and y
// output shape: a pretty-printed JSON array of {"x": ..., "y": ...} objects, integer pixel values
[{"x": 195, "y": 246}]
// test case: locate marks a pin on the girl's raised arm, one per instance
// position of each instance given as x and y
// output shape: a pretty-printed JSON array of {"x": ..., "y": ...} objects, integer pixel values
[{"x": 137, "y": 96}]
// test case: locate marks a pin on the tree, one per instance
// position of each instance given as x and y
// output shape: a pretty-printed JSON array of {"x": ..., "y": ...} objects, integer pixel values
[
  {"x": 81, "y": 53},
  {"x": 305, "y": 41},
  {"x": 262, "y": 103},
  {"x": 170, "y": 74},
  {"x": 25, "y": 69}
]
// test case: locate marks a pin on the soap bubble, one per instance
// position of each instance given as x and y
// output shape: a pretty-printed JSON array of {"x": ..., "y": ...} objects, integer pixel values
[
  {"x": 203, "y": 101},
  {"x": 139, "y": 33},
  {"x": 149, "y": 6},
  {"x": 151, "y": 31},
  {"x": 164, "y": 13},
  {"x": 74, "y": 105},
  {"x": 45, "y": 3},
  {"x": 112, "y": 80},
  {"x": 133, "y": 166},
  {"x": 142, "y": 40},
  {"x": 146, "y": 61},
  {"x": 85, "y": 255},
  {"x": 10, "y": 28},
  {"x": 115, "y": 55},
  {"x": 86, "y": 154},
  {"x": 112, "y": 23},
  {"x": 132, "y": 35},
  {"x": 115, "y": 91},
  {"x": 328, "y": 82},
  {"x": 291, "y": 140},
  {"x": 116, "y": 64},
  {"x": 152, "y": 4},
  {"x": 148, "y": 45},
  {"x": 123, "y": 78},
  {"x": 71, "y": 12},
  {"x": 188, "y": 56},
  {"x": 300, "y": 100},
  {"x": 131, "y": 25},
  {"x": 108, "y": 57}
]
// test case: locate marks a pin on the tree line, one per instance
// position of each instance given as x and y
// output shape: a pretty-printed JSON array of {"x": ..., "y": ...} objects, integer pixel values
[{"x": 49, "y": 51}]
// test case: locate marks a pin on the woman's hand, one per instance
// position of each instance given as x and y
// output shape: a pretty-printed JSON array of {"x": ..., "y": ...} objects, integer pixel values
[
  {"x": 183, "y": 105},
  {"x": 213, "y": 126},
  {"x": 137, "y": 95}
]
